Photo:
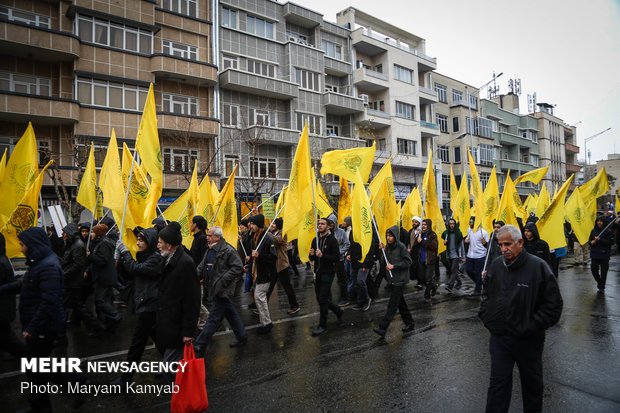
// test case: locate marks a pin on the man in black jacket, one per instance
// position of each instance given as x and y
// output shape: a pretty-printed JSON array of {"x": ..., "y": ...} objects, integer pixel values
[
  {"x": 198, "y": 227},
  {"x": 262, "y": 265},
  {"x": 361, "y": 271},
  {"x": 600, "y": 251},
  {"x": 534, "y": 245},
  {"x": 325, "y": 254},
  {"x": 178, "y": 298},
  {"x": 8, "y": 340},
  {"x": 521, "y": 299}
]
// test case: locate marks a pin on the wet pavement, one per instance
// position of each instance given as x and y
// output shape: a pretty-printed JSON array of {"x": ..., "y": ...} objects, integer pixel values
[{"x": 442, "y": 366}]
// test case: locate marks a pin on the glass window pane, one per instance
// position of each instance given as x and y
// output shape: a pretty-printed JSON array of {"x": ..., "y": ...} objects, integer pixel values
[
  {"x": 101, "y": 33},
  {"x": 84, "y": 93},
  {"x": 100, "y": 95},
  {"x": 131, "y": 41},
  {"x": 145, "y": 43},
  {"x": 85, "y": 29},
  {"x": 116, "y": 36},
  {"x": 116, "y": 95},
  {"x": 130, "y": 99}
]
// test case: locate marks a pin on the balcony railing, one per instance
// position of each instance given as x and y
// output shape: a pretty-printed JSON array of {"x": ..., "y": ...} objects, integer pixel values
[
  {"x": 392, "y": 42},
  {"x": 572, "y": 148}
]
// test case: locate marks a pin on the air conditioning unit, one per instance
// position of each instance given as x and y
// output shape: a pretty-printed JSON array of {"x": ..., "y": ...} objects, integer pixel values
[{"x": 364, "y": 99}]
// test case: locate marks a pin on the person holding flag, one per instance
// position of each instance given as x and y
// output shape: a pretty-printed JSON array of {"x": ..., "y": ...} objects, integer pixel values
[
  {"x": 476, "y": 254},
  {"x": 262, "y": 265},
  {"x": 600, "y": 241},
  {"x": 453, "y": 240},
  {"x": 428, "y": 258}
]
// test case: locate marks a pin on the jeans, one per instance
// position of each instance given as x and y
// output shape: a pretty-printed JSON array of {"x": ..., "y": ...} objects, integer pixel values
[
  {"x": 260, "y": 298},
  {"x": 430, "y": 278},
  {"x": 396, "y": 302},
  {"x": 348, "y": 269},
  {"x": 454, "y": 272},
  {"x": 360, "y": 286},
  {"x": 474, "y": 267},
  {"x": 601, "y": 279},
  {"x": 342, "y": 280},
  {"x": 527, "y": 353},
  {"x": 285, "y": 281},
  {"x": 222, "y": 307},
  {"x": 322, "y": 289},
  {"x": 145, "y": 328}
]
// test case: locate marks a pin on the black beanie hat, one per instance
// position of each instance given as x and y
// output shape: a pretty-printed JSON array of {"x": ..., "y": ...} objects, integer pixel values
[
  {"x": 258, "y": 220},
  {"x": 244, "y": 222},
  {"x": 278, "y": 222},
  {"x": 172, "y": 233}
]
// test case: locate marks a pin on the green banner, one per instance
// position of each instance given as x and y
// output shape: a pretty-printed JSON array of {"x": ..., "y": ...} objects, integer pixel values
[{"x": 269, "y": 208}]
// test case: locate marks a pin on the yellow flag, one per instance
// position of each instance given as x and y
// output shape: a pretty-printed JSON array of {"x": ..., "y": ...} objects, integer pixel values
[
  {"x": 147, "y": 145},
  {"x": 280, "y": 202},
  {"x": 344, "y": 201},
  {"x": 431, "y": 206},
  {"x": 206, "y": 200},
  {"x": 476, "y": 192},
  {"x": 462, "y": 210},
  {"x": 226, "y": 216},
  {"x": 21, "y": 171},
  {"x": 187, "y": 206},
  {"x": 491, "y": 202},
  {"x": 416, "y": 203},
  {"x": 323, "y": 209},
  {"x": 300, "y": 180},
  {"x": 138, "y": 192},
  {"x": 555, "y": 191},
  {"x": 534, "y": 176},
  {"x": 385, "y": 210},
  {"x": 384, "y": 175},
  {"x": 111, "y": 180},
  {"x": 345, "y": 163},
  {"x": 595, "y": 187},
  {"x": 551, "y": 223},
  {"x": 405, "y": 213},
  {"x": 215, "y": 193},
  {"x": 320, "y": 191},
  {"x": 24, "y": 216},
  {"x": 3, "y": 164},
  {"x": 543, "y": 201},
  {"x": 507, "y": 208},
  {"x": 531, "y": 207},
  {"x": 176, "y": 210},
  {"x": 454, "y": 190},
  {"x": 360, "y": 216},
  {"x": 617, "y": 206},
  {"x": 411, "y": 208},
  {"x": 87, "y": 194},
  {"x": 577, "y": 214}
]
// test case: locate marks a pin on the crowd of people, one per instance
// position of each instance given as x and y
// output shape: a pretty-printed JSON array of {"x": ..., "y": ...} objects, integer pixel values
[{"x": 182, "y": 295}]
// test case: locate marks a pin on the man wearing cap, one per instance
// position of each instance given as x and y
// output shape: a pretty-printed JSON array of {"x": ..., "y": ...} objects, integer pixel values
[
  {"x": 282, "y": 268},
  {"x": 262, "y": 265},
  {"x": 343, "y": 247},
  {"x": 178, "y": 299}
]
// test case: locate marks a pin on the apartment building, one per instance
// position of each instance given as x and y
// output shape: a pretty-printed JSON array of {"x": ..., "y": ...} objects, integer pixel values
[
  {"x": 281, "y": 65},
  {"x": 393, "y": 76},
  {"x": 78, "y": 69}
]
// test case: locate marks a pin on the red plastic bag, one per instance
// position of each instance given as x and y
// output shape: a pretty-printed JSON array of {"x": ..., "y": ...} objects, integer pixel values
[{"x": 192, "y": 394}]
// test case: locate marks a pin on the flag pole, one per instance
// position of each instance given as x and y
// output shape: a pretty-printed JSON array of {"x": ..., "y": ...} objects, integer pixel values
[
  {"x": 148, "y": 188},
  {"x": 488, "y": 252},
  {"x": 133, "y": 160},
  {"x": 261, "y": 204},
  {"x": 262, "y": 239},
  {"x": 42, "y": 211},
  {"x": 92, "y": 221},
  {"x": 374, "y": 224}
]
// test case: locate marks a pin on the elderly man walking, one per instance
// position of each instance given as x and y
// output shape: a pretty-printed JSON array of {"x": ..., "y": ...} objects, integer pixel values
[{"x": 521, "y": 299}]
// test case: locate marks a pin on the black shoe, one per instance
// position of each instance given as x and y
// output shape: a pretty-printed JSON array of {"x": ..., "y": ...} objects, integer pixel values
[
  {"x": 379, "y": 331},
  {"x": 252, "y": 305},
  {"x": 419, "y": 287},
  {"x": 318, "y": 331},
  {"x": 434, "y": 290},
  {"x": 407, "y": 328},
  {"x": 199, "y": 349},
  {"x": 238, "y": 343},
  {"x": 343, "y": 303},
  {"x": 357, "y": 307},
  {"x": 339, "y": 321},
  {"x": 264, "y": 329},
  {"x": 474, "y": 294},
  {"x": 367, "y": 305},
  {"x": 458, "y": 285},
  {"x": 449, "y": 289}
]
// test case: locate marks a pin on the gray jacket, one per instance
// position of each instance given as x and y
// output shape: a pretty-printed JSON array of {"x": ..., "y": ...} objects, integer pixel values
[{"x": 227, "y": 270}]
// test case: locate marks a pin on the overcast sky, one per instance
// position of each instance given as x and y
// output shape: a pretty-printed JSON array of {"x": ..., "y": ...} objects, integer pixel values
[{"x": 567, "y": 52}]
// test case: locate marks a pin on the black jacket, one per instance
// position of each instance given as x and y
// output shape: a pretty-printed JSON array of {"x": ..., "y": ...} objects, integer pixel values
[
  {"x": 7, "y": 276},
  {"x": 267, "y": 256},
  {"x": 226, "y": 271},
  {"x": 520, "y": 299},
  {"x": 355, "y": 251},
  {"x": 601, "y": 249},
  {"x": 74, "y": 260},
  {"x": 199, "y": 247},
  {"x": 398, "y": 255},
  {"x": 178, "y": 301},
  {"x": 536, "y": 246},
  {"x": 331, "y": 254},
  {"x": 40, "y": 301},
  {"x": 102, "y": 267},
  {"x": 146, "y": 270}
]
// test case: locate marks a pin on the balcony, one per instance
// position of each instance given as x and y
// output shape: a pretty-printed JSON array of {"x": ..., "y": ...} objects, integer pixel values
[
  {"x": 369, "y": 80},
  {"x": 17, "y": 107},
  {"x": 570, "y": 167},
  {"x": 258, "y": 85},
  {"x": 341, "y": 142},
  {"x": 301, "y": 16},
  {"x": 190, "y": 72},
  {"x": 19, "y": 39},
  {"x": 175, "y": 125},
  {"x": 336, "y": 67},
  {"x": 371, "y": 44},
  {"x": 427, "y": 96},
  {"x": 509, "y": 164},
  {"x": 338, "y": 104},
  {"x": 375, "y": 119},
  {"x": 271, "y": 135},
  {"x": 428, "y": 129},
  {"x": 572, "y": 148}
]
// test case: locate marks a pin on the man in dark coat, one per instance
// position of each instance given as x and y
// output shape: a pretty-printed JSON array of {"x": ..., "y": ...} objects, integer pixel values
[
  {"x": 8, "y": 340},
  {"x": 397, "y": 267},
  {"x": 414, "y": 250},
  {"x": 58, "y": 246},
  {"x": 361, "y": 271},
  {"x": 325, "y": 253},
  {"x": 600, "y": 251},
  {"x": 102, "y": 270},
  {"x": 283, "y": 265},
  {"x": 428, "y": 256},
  {"x": 223, "y": 267},
  {"x": 534, "y": 245},
  {"x": 84, "y": 228},
  {"x": 452, "y": 238},
  {"x": 198, "y": 227},
  {"x": 145, "y": 270},
  {"x": 521, "y": 299},
  {"x": 178, "y": 299},
  {"x": 74, "y": 263}
]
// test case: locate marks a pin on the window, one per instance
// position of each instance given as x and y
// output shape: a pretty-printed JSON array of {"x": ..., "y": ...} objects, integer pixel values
[
  {"x": 405, "y": 110},
  {"x": 179, "y": 49},
  {"x": 260, "y": 68},
  {"x": 457, "y": 97},
  {"x": 455, "y": 124},
  {"x": 457, "y": 154},
  {"x": 442, "y": 94},
  {"x": 180, "y": 105},
  {"x": 445, "y": 183},
  {"x": 332, "y": 130},
  {"x": 230, "y": 115},
  {"x": 403, "y": 74},
  {"x": 444, "y": 153},
  {"x": 314, "y": 123},
  {"x": 331, "y": 88},
  {"x": 534, "y": 160},
  {"x": 116, "y": 35},
  {"x": 229, "y": 18},
  {"x": 17, "y": 15},
  {"x": 484, "y": 179},
  {"x": 230, "y": 61},
  {"x": 486, "y": 154},
  {"x": 8, "y": 144},
  {"x": 259, "y": 27},
  {"x": 471, "y": 124},
  {"x": 262, "y": 117},
  {"x": 534, "y": 136},
  {"x": 263, "y": 167},
  {"x": 473, "y": 102},
  {"x": 442, "y": 121},
  {"x": 83, "y": 150},
  {"x": 485, "y": 127},
  {"x": 332, "y": 49},
  {"x": 229, "y": 163},
  {"x": 179, "y": 160},
  {"x": 110, "y": 94},
  {"x": 407, "y": 147},
  {"x": 32, "y": 85},
  {"x": 307, "y": 80},
  {"x": 187, "y": 7}
]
